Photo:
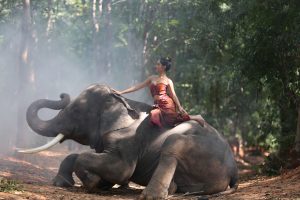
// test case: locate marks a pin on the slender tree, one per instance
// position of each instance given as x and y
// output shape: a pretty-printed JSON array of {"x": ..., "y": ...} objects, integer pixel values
[
  {"x": 25, "y": 71},
  {"x": 108, "y": 44},
  {"x": 96, "y": 13},
  {"x": 297, "y": 138}
]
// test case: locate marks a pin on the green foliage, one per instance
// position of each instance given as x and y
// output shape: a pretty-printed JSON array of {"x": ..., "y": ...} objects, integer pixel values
[
  {"x": 9, "y": 185},
  {"x": 234, "y": 62},
  {"x": 270, "y": 54}
]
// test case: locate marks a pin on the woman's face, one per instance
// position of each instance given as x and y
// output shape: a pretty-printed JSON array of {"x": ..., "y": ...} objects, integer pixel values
[{"x": 159, "y": 67}]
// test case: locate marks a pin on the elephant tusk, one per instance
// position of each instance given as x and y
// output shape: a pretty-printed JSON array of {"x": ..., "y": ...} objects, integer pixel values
[{"x": 53, "y": 142}]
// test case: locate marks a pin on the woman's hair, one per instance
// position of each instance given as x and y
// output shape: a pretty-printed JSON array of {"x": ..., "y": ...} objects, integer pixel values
[{"x": 166, "y": 61}]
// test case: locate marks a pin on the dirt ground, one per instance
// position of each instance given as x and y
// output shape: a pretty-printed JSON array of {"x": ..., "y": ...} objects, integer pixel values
[{"x": 34, "y": 174}]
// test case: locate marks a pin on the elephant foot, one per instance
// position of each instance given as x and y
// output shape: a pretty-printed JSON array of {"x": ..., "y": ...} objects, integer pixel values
[
  {"x": 90, "y": 181},
  {"x": 104, "y": 185},
  {"x": 62, "y": 181},
  {"x": 153, "y": 194},
  {"x": 158, "y": 192}
]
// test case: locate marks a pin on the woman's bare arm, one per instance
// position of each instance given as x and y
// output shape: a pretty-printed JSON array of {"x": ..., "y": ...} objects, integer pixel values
[
  {"x": 136, "y": 87},
  {"x": 174, "y": 97}
]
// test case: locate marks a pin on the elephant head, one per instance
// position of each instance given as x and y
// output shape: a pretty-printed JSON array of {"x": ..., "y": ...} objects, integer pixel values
[{"x": 96, "y": 111}]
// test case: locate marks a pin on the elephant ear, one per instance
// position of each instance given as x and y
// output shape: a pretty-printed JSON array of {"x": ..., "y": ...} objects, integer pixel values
[
  {"x": 132, "y": 112},
  {"x": 117, "y": 114}
]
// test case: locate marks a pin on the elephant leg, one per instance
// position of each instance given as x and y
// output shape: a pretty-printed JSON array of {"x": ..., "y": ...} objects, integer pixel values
[
  {"x": 96, "y": 169},
  {"x": 161, "y": 182},
  {"x": 89, "y": 180},
  {"x": 64, "y": 176}
]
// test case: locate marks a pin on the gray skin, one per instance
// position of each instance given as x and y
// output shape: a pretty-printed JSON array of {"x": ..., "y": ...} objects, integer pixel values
[{"x": 186, "y": 158}]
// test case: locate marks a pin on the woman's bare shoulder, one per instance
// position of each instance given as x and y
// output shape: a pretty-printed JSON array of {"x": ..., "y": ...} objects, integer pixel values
[{"x": 170, "y": 82}]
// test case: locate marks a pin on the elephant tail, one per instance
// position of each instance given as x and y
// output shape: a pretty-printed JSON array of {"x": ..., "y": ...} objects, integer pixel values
[{"x": 233, "y": 184}]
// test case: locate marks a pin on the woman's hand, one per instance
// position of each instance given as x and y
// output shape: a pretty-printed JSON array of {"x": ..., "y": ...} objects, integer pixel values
[
  {"x": 116, "y": 91},
  {"x": 181, "y": 110}
]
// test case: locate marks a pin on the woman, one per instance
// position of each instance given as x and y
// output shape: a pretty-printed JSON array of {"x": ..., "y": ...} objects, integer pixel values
[{"x": 164, "y": 111}]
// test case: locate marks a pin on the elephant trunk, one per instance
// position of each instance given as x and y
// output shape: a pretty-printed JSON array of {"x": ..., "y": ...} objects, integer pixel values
[{"x": 49, "y": 128}]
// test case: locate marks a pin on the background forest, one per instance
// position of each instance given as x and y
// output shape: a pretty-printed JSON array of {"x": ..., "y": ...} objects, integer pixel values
[{"x": 237, "y": 62}]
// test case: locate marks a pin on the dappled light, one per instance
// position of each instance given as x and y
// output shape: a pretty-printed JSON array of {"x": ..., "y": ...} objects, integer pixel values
[{"x": 50, "y": 153}]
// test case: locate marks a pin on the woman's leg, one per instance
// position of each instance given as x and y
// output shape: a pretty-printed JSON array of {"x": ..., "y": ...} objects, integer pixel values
[{"x": 199, "y": 119}]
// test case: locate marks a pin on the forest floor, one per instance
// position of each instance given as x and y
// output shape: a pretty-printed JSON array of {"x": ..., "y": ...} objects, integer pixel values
[{"x": 29, "y": 177}]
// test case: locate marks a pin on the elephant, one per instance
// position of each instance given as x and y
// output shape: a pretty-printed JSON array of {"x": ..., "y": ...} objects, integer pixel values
[{"x": 187, "y": 158}]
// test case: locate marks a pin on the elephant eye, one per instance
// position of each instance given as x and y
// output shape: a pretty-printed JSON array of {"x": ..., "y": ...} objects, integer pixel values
[{"x": 110, "y": 100}]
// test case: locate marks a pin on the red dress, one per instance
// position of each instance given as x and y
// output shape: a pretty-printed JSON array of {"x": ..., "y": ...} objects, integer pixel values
[{"x": 164, "y": 109}]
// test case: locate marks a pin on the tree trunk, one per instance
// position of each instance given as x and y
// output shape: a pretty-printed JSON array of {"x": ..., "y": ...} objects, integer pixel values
[
  {"x": 297, "y": 140},
  {"x": 149, "y": 17},
  {"x": 49, "y": 19},
  {"x": 25, "y": 73},
  {"x": 288, "y": 114},
  {"x": 108, "y": 38},
  {"x": 97, "y": 11},
  {"x": 95, "y": 16}
]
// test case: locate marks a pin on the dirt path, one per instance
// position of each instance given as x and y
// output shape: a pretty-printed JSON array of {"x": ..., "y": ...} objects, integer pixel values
[{"x": 35, "y": 172}]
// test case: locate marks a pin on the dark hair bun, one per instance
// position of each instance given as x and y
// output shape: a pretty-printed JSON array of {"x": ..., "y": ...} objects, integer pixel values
[{"x": 166, "y": 62}]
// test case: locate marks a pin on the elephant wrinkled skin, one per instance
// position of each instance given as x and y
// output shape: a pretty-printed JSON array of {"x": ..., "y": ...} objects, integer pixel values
[{"x": 186, "y": 158}]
